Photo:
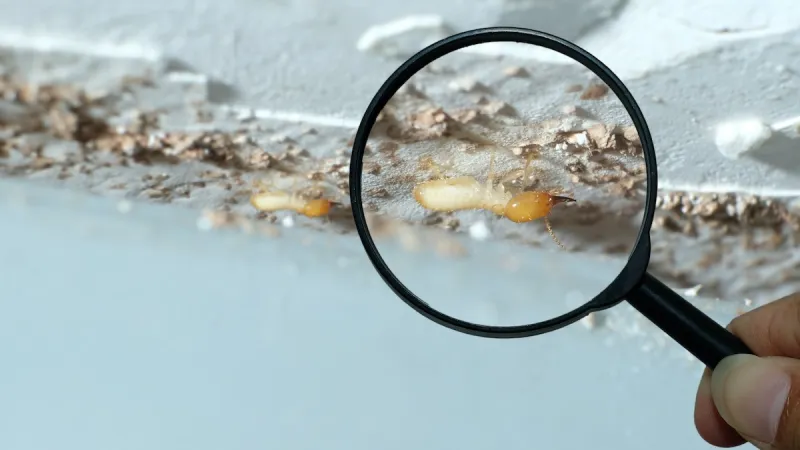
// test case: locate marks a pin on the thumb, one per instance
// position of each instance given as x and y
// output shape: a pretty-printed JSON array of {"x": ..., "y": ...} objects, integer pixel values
[{"x": 755, "y": 396}]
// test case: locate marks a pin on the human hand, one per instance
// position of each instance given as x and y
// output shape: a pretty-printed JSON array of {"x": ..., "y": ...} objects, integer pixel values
[{"x": 756, "y": 399}]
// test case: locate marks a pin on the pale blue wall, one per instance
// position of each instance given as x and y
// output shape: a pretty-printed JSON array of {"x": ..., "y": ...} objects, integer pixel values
[{"x": 136, "y": 331}]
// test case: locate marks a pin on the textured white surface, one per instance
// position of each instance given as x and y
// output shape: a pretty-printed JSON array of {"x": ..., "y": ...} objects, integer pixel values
[
  {"x": 690, "y": 66},
  {"x": 199, "y": 341}
]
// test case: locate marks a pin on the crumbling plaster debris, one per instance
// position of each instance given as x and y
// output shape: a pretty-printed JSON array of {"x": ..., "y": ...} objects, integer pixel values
[{"x": 114, "y": 143}]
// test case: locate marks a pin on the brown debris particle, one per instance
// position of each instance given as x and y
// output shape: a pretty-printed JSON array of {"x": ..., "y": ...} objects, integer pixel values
[
  {"x": 450, "y": 223},
  {"x": 594, "y": 91},
  {"x": 727, "y": 212},
  {"x": 155, "y": 193},
  {"x": 378, "y": 192},
  {"x": 41, "y": 163},
  {"x": 630, "y": 134},
  {"x": 667, "y": 223},
  {"x": 575, "y": 166},
  {"x": 388, "y": 148},
  {"x": 315, "y": 176},
  {"x": 428, "y": 118},
  {"x": 605, "y": 137},
  {"x": 372, "y": 168},
  {"x": 467, "y": 115},
  {"x": 260, "y": 160}
]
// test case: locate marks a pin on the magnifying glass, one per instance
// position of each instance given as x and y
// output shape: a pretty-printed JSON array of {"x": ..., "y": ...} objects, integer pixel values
[{"x": 550, "y": 166}]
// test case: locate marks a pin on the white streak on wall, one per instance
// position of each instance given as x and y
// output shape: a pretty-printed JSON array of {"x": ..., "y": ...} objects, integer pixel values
[
  {"x": 296, "y": 117},
  {"x": 377, "y": 35},
  {"x": 52, "y": 42}
]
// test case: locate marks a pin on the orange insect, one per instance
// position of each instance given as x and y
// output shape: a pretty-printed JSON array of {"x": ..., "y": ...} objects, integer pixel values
[
  {"x": 271, "y": 200},
  {"x": 466, "y": 193}
]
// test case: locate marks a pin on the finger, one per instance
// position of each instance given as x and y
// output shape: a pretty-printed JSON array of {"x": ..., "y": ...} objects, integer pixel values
[
  {"x": 772, "y": 329},
  {"x": 709, "y": 423},
  {"x": 759, "y": 397}
]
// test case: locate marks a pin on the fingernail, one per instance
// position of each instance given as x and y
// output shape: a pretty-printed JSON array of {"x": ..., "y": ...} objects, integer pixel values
[{"x": 750, "y": 394}]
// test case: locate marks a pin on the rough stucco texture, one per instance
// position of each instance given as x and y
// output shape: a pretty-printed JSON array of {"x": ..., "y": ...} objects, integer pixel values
[
  {"x": 689, "y": 65},
  {"x": 214, "y": 351}
]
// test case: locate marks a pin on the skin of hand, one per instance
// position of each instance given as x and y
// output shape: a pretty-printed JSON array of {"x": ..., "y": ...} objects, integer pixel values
[{"x": 756, "y": 399}]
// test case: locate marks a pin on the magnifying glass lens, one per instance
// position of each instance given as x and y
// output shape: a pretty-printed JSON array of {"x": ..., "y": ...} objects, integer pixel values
[{"x": 504, "y": 191}]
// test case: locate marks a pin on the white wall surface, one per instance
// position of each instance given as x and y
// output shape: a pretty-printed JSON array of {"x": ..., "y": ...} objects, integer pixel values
[
  {"x": 690, "y": 64},
  {"x": 138, "y": 332}
]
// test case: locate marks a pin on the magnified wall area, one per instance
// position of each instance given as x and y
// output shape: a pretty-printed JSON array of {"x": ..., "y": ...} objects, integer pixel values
[{"x": 539, "y": 163}]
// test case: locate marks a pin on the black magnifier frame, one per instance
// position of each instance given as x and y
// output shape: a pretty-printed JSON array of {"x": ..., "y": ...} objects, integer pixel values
[{"x": 703, "y": 337}]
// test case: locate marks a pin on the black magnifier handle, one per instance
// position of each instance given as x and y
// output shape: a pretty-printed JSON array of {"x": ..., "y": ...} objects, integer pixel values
[{"x": 703, "y": 337}]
